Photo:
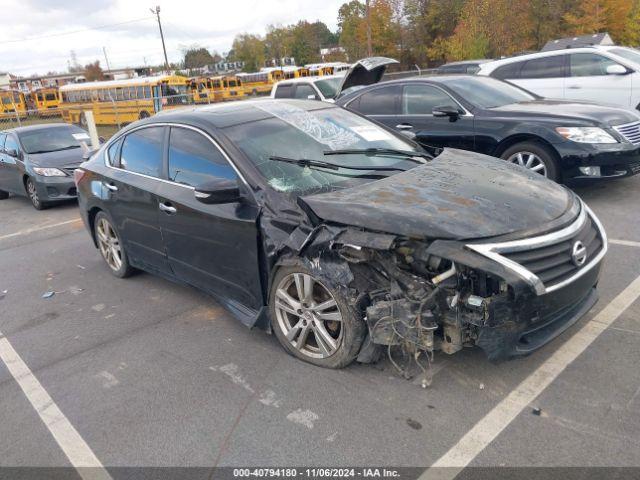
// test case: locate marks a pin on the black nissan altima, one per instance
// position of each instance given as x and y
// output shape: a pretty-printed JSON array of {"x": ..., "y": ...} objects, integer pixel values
[
  {"x": 344, "y": 238},
  {"x": 563, "y": 140},
  {"x": 38, "y": 162}
]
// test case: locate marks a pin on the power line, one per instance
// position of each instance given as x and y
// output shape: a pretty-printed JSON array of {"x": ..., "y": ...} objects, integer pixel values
[{"x": 75, "y": 31}]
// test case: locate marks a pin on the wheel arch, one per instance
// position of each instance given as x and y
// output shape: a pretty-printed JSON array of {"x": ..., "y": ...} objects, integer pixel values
[
  {"x": 91, "y": 220},
  {"x": 516, "y": 138}
]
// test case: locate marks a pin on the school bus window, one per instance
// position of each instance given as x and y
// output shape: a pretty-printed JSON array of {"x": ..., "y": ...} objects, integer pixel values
[{"x": 49, "y": 97}]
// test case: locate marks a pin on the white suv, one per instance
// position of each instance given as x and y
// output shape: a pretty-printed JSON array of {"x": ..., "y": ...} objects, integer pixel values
[{"x": 601, "y": 74}]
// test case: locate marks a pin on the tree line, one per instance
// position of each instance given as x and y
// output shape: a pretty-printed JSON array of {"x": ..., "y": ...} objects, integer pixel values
[{"x": 431, "y": 32}]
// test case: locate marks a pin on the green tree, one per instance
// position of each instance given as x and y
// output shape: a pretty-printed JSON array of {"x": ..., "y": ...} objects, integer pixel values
[
  {"x": 93, "y": 72},
  {"x": 196, "y": 56},
  {"x": 250, "y": 49},
  {"x": 352, "y": 29}
]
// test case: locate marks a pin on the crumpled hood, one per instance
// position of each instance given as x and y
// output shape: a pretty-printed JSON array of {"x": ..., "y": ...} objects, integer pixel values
[
  {"x": 458, "y": 195},
  {"x": 63, "y": 158}
]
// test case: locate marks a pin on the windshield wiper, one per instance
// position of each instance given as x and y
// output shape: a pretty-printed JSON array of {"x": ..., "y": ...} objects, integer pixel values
[
  {"x": 306, "y": 162},
  {"x": 408, "y": 154},
  {"x": 55, "y": 150}
]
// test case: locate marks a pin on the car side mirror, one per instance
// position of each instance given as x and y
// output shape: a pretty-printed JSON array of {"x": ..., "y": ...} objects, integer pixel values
[
  {"x": 312, "y": 97},
  {"x": 12, "y": 152},
  {"x": 446, "y": 111},
  {"x": 220, "y": 190},
  {"x": 616, "y": 69}
]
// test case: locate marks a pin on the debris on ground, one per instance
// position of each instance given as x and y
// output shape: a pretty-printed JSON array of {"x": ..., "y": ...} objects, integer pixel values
[
  {"x": 48, "y": 294},
  {"x": 481, "y": 386},
  {"x": 75, "y": 290},
  {"x": 537, "y": 411},
  {"x": 413, "y": 424},
  {"x": 3, "y": 294},
  {"x": 81, "y": 267}
]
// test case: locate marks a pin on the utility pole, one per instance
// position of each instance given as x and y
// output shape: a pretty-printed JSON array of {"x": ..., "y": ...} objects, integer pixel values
[
  {"x": 106, "y": 59},
  {"x": 156, "y": 12},
  {"x": 369, "y": 49}
]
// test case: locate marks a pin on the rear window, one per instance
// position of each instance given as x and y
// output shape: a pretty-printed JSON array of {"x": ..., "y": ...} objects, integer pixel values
[
  {"x": 284, "y": 91},
  {"x": 142, "y": 151},
  {"x": 329, "y": 86},
  {"x": 545, "y": 67},
  {"x": 380, "y": 101}
]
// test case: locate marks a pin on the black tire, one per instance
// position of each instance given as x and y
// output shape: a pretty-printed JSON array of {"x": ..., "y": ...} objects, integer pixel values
[
  {"x": 4, "y": 195},
  {"x": 350, "y": 331},
  {"x": 32, "y": 193},
  {"x": 125, "y": 269},
  {"x": 543, "y": 152}
]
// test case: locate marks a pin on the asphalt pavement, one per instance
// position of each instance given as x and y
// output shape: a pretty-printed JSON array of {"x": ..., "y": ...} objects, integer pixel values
[{"x": 148, "y": 373}]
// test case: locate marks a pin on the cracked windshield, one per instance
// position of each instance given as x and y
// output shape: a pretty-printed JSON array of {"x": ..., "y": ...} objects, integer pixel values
[{"x": 298, "y": 134}]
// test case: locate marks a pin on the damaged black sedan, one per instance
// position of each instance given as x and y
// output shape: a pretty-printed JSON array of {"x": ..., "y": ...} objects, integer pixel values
[{"x": 344, "y": 238}]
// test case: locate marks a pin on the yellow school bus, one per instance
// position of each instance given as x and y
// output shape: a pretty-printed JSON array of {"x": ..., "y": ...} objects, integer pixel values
[
  {"x": 260, "y": 82},
  {"x": 46, "y": 98},
  {"x": 331, "y": 68},
  {"x": 202, "y": 91},
  {"x": 289, "y": 72},
  {"x": 117, "y": 102},
  {"x": 12, "y": 102},
  {"x": 216, "y": 89}
]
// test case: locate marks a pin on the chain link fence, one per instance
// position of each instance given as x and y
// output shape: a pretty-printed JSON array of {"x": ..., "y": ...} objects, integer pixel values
[{"x": 111, "y": 115}]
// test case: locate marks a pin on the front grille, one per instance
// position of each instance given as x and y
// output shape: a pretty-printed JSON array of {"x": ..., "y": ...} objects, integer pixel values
[
  {"x": 550, "y": 261},
  {"x": 554, "y": 264},
  {"x": 630, "y": 131}
]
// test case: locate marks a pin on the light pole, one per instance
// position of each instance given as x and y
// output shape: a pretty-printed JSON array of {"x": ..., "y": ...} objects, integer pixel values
[{"x": 156, "y": 12}]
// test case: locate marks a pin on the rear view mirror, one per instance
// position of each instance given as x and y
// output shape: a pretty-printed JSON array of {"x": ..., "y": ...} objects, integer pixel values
[
  {"x": 616, "y": 69},
  {"x": 220, "y": 190},
  {"x": 446, "y": 111},
  {"x": 12, "y": 152}
]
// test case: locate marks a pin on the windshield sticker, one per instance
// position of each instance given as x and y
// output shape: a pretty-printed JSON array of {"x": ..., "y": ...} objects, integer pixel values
[
  {"x": 80, "y": 136},
  {"x": 371, "y": 133},
  {"x": 322, "y": 131}
]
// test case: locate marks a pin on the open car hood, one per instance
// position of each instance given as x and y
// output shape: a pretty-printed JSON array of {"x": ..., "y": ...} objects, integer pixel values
[
  {"x": 365, "y": 72},
  {"x": 458, "y": 195}
]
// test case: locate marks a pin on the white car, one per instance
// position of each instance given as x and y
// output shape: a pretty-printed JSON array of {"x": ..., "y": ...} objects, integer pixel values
[
  {"x": 603, "y": 74},
  {"x": 308, "y": 88},
  {"x": 328, "y": 88}
]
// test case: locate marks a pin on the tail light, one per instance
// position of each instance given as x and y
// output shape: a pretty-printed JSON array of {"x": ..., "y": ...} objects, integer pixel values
[{"x": 78, "y": 173}]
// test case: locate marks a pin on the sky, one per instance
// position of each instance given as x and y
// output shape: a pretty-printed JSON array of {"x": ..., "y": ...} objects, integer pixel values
[{"x": 38, "y": 35}]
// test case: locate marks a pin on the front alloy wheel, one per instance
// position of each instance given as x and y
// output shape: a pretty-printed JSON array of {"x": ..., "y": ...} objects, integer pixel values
[
  {"x": 32, "y": 192},
  {"x": 312, "y": 321},
  {"x": 529, "y": 160}
]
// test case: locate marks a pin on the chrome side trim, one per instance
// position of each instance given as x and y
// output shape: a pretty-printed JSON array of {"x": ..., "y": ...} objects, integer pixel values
[
  {"x": 494, "y": 250},
  {"x": 169, "y": 124}
]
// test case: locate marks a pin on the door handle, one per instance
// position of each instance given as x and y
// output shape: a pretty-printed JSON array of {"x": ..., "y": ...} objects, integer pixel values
[
  {"x": 110, "y": 186},
  {"x": 574, "y": 87},
  {"x": 167, "y": 208},
  {"x": 404, "y": 126}
]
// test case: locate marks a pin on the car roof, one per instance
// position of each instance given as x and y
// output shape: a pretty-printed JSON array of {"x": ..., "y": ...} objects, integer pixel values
[
  {"x": 40, "y": 126},
  {"x": 228, "y": 114},
  {"x": 489, "y": 66},
  {"x": 308, "y": 79},
  {"x": 467, "y": 62}
]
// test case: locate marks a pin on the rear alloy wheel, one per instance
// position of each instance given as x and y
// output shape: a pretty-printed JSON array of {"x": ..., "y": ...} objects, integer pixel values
[
  {"x": 4, "y": 195},
  {"x": 110, "y": 247},
  {"x": 312, "y": 321},
  {"x": 32, "y": 192},
  {"x": 533, "y": 156}
]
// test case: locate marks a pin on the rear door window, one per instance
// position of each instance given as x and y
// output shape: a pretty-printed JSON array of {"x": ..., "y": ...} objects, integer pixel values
[
  {"x": 379, "y": 101},
  {"x": 304, "y": 91},
  {"x": 589, "y": 64},
  {"x": 194, "y": 159},
  {"x": 422, "y": 99},
  {"x": 142, "y": 151},
  {"x": 545, "y": 67},
  {"x": 284, "y": 91}
]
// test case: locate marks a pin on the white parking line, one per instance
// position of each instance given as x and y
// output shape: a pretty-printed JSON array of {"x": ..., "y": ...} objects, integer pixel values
[
  {"x": 490, "y": 426},
  {"x": 626, "y": 243},
  {"x": 37, "y": 229},
  {"x": 74, "y": 447}
]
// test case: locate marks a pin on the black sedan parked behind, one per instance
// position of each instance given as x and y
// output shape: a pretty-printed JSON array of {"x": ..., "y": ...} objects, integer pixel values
[
  {"x": 560, "y": 139},
  {"x": 38, "y": 162},
  {"x": 342, "y": 236}
]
